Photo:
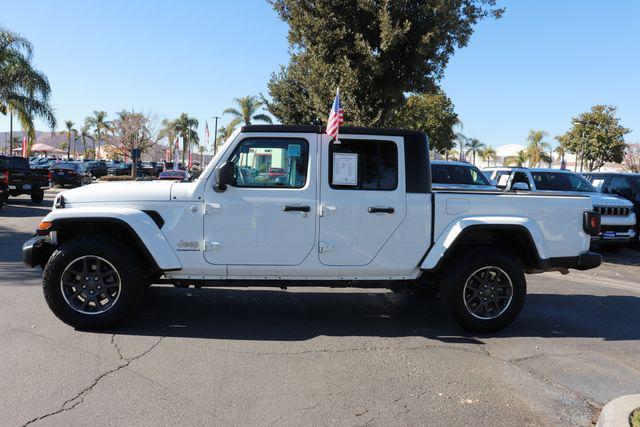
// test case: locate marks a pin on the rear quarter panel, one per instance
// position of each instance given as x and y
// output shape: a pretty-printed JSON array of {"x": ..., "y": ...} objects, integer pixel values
[{"x": 554, "y": 222}]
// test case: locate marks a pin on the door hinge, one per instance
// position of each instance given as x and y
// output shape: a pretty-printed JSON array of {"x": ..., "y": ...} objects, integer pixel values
[
  {"x": 211, "y": 207},
  {"x": 211, "y": 246},
  {"x": 327, "y": 210},
  {"x": 326, "y": 247}
]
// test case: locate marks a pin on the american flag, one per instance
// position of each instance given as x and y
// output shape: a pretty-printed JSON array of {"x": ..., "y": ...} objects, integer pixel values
[
  {"x": 206, "y": 132},
  {"x": 335, "y": 117}
]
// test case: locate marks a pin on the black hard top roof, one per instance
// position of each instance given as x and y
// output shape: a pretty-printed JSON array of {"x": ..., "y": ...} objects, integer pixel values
[{"x": 347, "y": 130}]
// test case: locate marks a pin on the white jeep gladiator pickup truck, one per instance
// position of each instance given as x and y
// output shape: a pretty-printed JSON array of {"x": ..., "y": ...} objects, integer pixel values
[{"x": 286, "y": 206}]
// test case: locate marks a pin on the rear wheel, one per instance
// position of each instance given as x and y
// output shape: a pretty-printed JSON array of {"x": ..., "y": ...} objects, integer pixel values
[
  {"x": 92, "y": 282},
  {"x": 483, "y": 290},
  {"x": 37, "y": 197}
]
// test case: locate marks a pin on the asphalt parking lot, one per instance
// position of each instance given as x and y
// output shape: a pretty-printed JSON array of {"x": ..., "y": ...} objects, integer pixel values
[{"x": 316, "y": 356}]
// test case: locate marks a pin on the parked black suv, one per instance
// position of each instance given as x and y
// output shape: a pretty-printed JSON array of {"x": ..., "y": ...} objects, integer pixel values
[
  {"x": 626, "y": 185},
  {"x": 98, "y": 168}
]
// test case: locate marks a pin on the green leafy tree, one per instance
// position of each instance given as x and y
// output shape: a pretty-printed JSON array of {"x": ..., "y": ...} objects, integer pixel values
[
  {"x": 474, "y": 146},
  {"x": 98, "y": 122},
  {"x": 433, "y": 114},
  {"x": 488, "y": 154},
  {"x": 376, "y": 51},
  {"x": 186, "y": 127},
  {"x": 536, "y": 150},
  {"x": 247, "y": 108},
  {"x": 597, "y": 136},
  {"x": 24, "y": 90}
]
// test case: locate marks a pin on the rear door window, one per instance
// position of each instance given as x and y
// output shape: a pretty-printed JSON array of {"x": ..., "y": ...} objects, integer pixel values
[{"x": 376, "y": 164}]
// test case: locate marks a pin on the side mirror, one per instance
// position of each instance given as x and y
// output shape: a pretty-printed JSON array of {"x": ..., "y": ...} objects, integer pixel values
[
  {"x": 224, "y": 175},
  {"x": 520, "y": 186}
]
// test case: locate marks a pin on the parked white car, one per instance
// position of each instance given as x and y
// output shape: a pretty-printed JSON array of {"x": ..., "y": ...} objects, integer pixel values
[
  {"x": 358, "y": 213},
  {"x": 618, "y": 216}
]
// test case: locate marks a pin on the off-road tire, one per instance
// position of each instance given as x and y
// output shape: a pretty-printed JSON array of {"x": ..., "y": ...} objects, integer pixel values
[
  {"x": 460, "y": 270},
  {"x": 37, "y": 197},
  {"x": 117, "y": 254}
]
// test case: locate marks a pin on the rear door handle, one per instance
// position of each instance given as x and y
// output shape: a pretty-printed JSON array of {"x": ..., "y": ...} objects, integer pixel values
[
  {"x": 289, "y": 208},
  {"x": 386, "y": 210}
]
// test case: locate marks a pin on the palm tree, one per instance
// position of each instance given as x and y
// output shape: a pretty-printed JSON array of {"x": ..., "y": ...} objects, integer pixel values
[
  {"x": 24, "y": 91},
  {"x": 184, "y": 126},
  {"x": 462, "y": 142},
  {"x": 248, "y": 106},
  {"x": 560, "y": 150},
  {"x": 474, "y": 145},
  {"x": 201, "y": 150},
  {"x": 84, "y": 134},
  {"x": 537, "y": 147},
  {"x": 519, "y": 160},
  {"x": 98, "y": 123},
  {"x": 224, "y": 132},
  {"x": 488, "y": 154},
  {"x": 70, "y": 130}
]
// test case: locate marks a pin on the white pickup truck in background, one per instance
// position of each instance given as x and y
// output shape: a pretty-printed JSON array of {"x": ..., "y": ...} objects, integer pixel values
[
  {"x": 618, "y": 216},
  {"x": 358, "y": 213}
]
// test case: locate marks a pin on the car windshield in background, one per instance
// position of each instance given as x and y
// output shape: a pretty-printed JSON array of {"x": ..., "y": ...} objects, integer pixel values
[
  {"x": 174, "y": 174},
  {"x": 561, "y": 181},
  {"x": 457, "y": 174},
  {"x": 73, "y": 166}
]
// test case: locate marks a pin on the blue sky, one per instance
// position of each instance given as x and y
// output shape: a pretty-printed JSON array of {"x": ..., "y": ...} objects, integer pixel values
[{"x": 543, "y": 62}]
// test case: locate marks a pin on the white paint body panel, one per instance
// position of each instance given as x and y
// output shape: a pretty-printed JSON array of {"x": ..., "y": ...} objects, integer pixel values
[{"x": 555, "y": 223}]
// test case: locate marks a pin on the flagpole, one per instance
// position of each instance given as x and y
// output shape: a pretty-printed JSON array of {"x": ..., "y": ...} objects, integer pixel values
[{"x": 337, "y": 141}]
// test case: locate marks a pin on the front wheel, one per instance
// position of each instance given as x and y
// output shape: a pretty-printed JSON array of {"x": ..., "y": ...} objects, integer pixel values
[
  {"x": 92, "y": 282},
  {"x": 483, "y": 290}
]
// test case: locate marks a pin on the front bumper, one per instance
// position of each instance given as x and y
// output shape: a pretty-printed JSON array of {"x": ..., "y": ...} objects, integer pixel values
[{"x": 36, "y": 251}]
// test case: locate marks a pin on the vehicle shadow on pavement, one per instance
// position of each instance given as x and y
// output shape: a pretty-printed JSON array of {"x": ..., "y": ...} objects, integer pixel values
[
  {"x": 619, "y": 254},
  {"x": 25, "y": 209},
  {"x": 297, "y": 316},
  {"x": 11, "y": 244}
]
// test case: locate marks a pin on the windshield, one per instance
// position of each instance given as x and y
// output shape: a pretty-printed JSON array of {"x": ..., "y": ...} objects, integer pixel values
[
  {"x": 561, "y": 181},
  {"x": 457, "y": 174}
]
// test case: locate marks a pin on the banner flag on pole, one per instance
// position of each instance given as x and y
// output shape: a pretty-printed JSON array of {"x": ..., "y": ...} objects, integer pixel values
[
  {"x": 25, "y": 150},
  {"x": 176, "y": 154}
]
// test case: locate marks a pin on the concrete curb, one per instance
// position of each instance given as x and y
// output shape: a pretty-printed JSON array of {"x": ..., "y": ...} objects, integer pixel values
[{"x": 616, "y": 413}]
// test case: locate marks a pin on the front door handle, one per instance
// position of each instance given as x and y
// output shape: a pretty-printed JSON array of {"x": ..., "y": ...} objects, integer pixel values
[
  {"x": 386, "y": 210},
  {"x": 289, "y": 208}
]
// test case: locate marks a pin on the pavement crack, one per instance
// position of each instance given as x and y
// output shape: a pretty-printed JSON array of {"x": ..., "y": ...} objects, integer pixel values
[
  {"x": 76, "y": 400},
  {"x": 116, "y": 346}
]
